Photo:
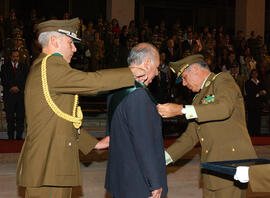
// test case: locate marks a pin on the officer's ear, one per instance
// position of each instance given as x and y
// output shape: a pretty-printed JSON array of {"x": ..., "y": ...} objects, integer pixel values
[
  {"x": 54, "y": 41},
  {"x": 147, "y": 63}
]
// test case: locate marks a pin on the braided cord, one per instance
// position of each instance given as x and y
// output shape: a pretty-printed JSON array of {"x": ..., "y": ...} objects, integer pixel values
[{"x": 75, "y": 119}]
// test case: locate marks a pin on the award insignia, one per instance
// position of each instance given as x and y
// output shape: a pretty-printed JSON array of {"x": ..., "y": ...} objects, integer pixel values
[{"x": 208, "y": 99}]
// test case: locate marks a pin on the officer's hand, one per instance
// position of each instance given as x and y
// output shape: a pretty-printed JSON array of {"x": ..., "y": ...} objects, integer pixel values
[
  {"x": 156, "y": 193},
  {"x": 138, "y": 73},
  {"x": 169, "y": 110},
  {"x": 103, "y": 143},
  {"x": 242, "y": 174}
]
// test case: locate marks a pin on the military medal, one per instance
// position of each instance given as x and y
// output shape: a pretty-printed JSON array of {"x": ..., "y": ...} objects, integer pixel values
[{"x": 208, "y": 99}]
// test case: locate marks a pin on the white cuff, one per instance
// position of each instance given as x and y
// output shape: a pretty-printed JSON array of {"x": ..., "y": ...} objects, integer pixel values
[
  {"x": 190, "y": 112},
  {"x": 168, "y": 158}
]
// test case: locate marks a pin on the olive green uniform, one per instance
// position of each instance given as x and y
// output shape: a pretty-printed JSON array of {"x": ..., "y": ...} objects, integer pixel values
[
  {"x": 50, "y": 156},
  {"x": 259, "y": 178},
  {"x": 221, "y": 130}
]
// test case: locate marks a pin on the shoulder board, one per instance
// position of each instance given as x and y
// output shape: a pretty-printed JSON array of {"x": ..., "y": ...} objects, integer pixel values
[{"x": 216, "y": 76}]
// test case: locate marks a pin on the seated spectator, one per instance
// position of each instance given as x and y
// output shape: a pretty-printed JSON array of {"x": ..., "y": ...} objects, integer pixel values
[
  {"x": 115, "y": 27},
  {"x": 160, "y": 87},
  {"x": 142, "y": 36},
  {"x": 231, "y": 60},
  {"x": 132, "y": 29},
  {"x": 88, "y": 35},
  {"x": 124, "y": 35},
  {"x": 97, "y": 52},
  {"x": 113, "y": 54},
  {"x": 239, "y": 79}
]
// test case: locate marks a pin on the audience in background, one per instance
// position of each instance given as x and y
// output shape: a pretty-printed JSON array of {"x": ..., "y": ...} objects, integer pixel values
[{"x": 106, "y": 45}]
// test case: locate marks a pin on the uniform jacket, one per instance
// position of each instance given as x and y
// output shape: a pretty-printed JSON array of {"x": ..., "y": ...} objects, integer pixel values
[
  {"x": 220, "y": 127},
  {"x": 9, "y": 79},
  {"x": 50, "y": 152},
  {"x": 136, "y": 164},
  {"x": 259, "y": 178}
]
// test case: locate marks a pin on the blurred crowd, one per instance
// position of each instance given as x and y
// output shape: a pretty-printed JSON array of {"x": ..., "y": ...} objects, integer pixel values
[{"x": 106, "y": 44}]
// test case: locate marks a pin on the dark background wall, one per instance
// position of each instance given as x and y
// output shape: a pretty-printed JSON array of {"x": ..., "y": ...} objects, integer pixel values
[
  {"x": 188, "y": 12},
  {"x": 87, "y": 9}
]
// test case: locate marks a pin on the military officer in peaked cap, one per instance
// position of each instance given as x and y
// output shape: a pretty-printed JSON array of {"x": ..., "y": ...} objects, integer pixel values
[
  {"x": 216, "y": 120},
  {"x": 49, "y": 163}
]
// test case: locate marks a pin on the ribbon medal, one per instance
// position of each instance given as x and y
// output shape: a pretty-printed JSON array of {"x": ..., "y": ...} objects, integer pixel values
[{"x": 208, "y": 99}]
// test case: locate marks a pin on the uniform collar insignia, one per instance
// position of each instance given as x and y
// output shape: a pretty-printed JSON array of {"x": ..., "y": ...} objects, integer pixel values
[{"x": 207, "y": 83}]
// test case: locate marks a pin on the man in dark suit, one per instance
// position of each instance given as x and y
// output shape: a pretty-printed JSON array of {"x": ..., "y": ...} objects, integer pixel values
[
  {"x": 13, "y": 76},
  {"x": 136, "y": 165},
  {"x": 172, "y": 53},
  {"x": 188, "y": 43}
]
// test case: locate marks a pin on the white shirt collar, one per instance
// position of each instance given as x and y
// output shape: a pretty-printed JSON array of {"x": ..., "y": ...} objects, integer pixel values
[
  {"x": 15, "y": 64},
  {"x": 255, "y": 81},
  {"x": 205, "y": 81}
]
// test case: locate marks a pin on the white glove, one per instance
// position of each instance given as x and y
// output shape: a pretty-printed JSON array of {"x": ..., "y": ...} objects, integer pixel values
[{"x": 242, "y": 174}]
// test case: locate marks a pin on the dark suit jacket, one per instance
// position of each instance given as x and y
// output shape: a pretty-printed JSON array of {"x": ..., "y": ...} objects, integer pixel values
[
  {"x": 170, "y": 57},
  {"x": 253, "y": 101},
  {"x": 136, "y": 164},
  {"x": 187, "y": 46},
  {"x": 9, "y": 79}
]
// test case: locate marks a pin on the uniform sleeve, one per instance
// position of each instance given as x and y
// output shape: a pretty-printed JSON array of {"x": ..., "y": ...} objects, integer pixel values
[
  {"x": 226, "y": 94},
  {"x": 259, "y": 178},
  {"x": 145, "y": 140},
  {"x": 184, "y": 143},
  {"x": 72, "y": 81},
  {"x": 86, "y": 142}
]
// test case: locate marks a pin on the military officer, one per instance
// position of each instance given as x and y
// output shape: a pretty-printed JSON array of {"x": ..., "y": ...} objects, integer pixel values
[
  {"x": 49, "y": 163},
  {"x": 216, "y": 120}
]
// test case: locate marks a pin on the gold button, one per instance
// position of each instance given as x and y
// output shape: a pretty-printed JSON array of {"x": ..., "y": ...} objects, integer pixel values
[
  {"x": 202, "y": 139},
  {"x": 206, "y": 151},
  {"x": 191, "y": 116},
  {"x": 233, "y": 149},
  {"x": 198, "y": 127}
]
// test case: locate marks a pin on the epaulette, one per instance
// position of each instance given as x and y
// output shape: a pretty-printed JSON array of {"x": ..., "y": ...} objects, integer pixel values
[{"x": 216, "y": 76}]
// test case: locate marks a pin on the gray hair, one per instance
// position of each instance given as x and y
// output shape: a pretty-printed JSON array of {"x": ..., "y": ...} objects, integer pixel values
[
  {"x": 44, "y": 37},
  {"x": 201, "y": 64},
  {"x": 141, "y": 52}
]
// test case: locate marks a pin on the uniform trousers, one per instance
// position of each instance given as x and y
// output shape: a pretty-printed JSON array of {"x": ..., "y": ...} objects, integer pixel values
[
  {"x": 48, "y": 192},
  {"x": 229, "y": 192}
]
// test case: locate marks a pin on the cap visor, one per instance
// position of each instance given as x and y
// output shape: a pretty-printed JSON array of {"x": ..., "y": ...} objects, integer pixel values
[{"x": 178, "y": 80}]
